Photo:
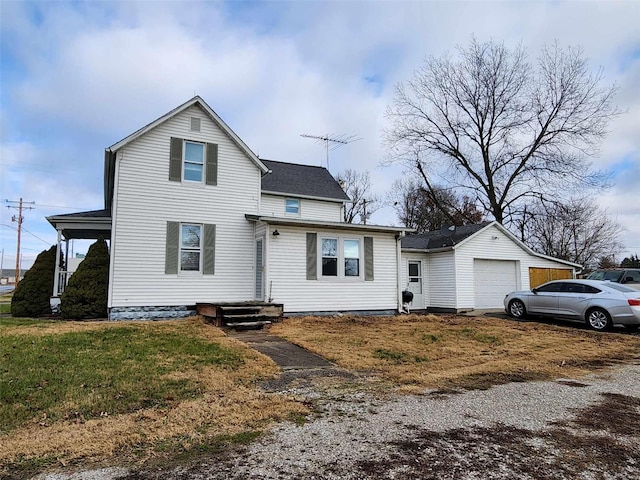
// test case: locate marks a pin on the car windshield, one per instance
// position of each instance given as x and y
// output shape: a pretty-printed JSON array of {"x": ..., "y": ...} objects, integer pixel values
[
  {"x": 613, "y": 276},
  {"x": 621, "y": 288}
]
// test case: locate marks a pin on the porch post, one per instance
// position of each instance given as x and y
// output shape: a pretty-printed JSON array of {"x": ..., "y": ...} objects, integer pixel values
[{"x": 56, "y": 278}]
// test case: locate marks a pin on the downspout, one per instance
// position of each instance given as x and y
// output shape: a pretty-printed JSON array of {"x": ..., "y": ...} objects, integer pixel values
[{"x": 399, "y": 238}]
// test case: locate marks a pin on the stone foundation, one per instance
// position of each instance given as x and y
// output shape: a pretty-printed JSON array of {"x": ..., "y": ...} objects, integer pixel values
[{"x": 151, "y": 313}]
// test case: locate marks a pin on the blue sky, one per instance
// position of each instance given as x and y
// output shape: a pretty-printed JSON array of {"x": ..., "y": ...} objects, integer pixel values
[{"x": 76, "y": 77}]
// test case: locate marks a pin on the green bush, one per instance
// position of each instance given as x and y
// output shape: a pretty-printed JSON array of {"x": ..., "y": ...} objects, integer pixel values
[
  {"x": 31, "y": 296},
  {"x": 86, "y": 294}
]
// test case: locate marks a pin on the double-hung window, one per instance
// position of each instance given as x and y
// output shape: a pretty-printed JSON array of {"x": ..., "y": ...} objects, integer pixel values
[
  {"x": 292, "y": 206},
  {"x": 190, "y": 247},
  {"x": 329, "y": 257},
  {"x": 193, "y": 161},
  {"x": 351, "y": 258}
]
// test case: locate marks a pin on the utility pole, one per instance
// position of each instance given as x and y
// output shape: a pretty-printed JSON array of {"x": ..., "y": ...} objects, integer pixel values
[
  {"x": 19, "y": 220},
  {"x": 335, "y": 140}
]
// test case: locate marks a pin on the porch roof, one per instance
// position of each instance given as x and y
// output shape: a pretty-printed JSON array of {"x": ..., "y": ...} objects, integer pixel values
[
  {"x": 89, "y": 225},
  {"x": 299, "y": 222}
]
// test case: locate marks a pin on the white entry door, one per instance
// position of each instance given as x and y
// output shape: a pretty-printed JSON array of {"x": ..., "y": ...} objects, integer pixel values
[
  {"x": 259, "y": 269},
  {"x": 414, "y": 278}
]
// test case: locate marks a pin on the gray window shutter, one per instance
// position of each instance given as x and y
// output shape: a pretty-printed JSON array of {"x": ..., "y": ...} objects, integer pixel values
[
  {"x": 175, "y": 162},
  {"x": 312, "y": 256},
  {"x": 368, "y": 259},
  {"x": 172, "y": 248},
  {"x": 209, "y": 250},
  {"x": 212, "y": 164}
]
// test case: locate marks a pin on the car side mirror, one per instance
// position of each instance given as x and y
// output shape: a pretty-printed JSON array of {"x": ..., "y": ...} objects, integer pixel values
[{"x": 535, "y": 290}]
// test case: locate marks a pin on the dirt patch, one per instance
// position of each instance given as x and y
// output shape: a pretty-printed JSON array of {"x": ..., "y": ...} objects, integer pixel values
[
  {"x": 616, "y": 414},
  {"x": 588, "y": 449}
]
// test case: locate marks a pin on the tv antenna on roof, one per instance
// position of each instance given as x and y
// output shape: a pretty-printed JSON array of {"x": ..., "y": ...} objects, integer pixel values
[{"x": 336, "y": 141}]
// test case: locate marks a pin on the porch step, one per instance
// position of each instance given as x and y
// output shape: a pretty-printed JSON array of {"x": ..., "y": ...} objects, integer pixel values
[
  {"x": 258, "y": 324},
  {"x": 241, "y": 315}
]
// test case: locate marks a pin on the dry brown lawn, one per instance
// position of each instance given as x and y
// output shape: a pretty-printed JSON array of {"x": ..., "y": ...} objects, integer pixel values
[{"x": 449, "y": 351}]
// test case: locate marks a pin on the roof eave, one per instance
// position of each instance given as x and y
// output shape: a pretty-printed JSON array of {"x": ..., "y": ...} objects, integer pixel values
[
  {"x": 310, "y": 197},
  {"x": 298, "y": 222}
]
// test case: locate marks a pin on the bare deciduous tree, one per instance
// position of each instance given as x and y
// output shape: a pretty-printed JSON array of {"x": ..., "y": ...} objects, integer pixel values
[
  {"x": 577, "y": 231},
  {"x": 499, "y": 129},
  {"x": 357, "y": 185},
  {"x": 417, "y": 208}
]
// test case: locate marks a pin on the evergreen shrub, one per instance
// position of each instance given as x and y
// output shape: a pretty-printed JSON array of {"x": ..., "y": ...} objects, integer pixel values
[
  {"x": 86, "y": 294},
  {"x": 31, "y": 296}
]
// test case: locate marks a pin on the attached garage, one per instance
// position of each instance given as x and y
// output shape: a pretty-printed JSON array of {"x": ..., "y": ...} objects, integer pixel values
[
  {"x": 475, "y": 266},
  {"x": 493, "y": 279}
]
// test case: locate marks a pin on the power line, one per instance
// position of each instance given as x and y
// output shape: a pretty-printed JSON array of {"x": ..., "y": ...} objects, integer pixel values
[{"x": 30, "y": 233}]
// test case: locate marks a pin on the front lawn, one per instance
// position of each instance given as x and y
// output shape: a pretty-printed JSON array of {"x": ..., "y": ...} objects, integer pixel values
[
  {"x": 448, "y": 351},
  {"x": 74, "y": 391}
]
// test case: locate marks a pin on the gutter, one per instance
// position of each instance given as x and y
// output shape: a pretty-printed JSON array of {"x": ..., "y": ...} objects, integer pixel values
[{"x": 399, "y": 237}]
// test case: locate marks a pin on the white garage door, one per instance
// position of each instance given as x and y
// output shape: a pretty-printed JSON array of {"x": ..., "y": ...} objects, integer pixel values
[{"x": 493, "y": 279}]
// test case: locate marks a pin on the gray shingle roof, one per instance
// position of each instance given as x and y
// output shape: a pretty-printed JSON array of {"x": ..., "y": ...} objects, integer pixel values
[
  {"x": 89, "y": 214},
  {"x": 441, "y": 238},
  {"x": 306, "y": 180}
]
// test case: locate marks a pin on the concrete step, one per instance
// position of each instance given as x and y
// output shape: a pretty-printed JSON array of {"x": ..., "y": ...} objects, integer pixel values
[{"x": 251, "y": 325}]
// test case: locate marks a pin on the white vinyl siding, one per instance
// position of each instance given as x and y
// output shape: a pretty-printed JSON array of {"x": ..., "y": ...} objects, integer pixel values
[
  {"x": 441, "y": 280},
  {"x": 275, "y": 206},
  {"x": 146, "y": 202},
  {"x": 287, "y": 275}
]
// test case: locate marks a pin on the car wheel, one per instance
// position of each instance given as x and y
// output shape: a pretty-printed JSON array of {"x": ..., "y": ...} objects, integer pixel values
[
  {"x": 516, "y": 309},
  {"x": 631, "y": 328},
  {"x": 598, "y": 319}
]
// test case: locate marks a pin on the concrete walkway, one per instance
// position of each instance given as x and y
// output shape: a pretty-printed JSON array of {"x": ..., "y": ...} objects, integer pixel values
[{"x": 287, "y": 355}]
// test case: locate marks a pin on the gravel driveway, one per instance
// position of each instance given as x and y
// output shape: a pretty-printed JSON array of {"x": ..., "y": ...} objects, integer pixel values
[{"x": 573, "y": 429}]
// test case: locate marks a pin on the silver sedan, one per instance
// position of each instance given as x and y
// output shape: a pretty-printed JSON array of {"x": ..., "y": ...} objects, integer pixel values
[{"x": 600, "y": 304}]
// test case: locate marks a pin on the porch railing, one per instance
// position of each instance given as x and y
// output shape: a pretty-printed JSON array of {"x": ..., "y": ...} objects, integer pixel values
[{"x": 63, "y": 280}]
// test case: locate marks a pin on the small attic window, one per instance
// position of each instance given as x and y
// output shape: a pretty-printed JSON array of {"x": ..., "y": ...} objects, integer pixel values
[{"x": 195, "y": 124}]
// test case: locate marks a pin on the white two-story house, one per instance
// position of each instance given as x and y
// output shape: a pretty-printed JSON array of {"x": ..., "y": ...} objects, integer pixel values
[{"x": 193, "y": 215}]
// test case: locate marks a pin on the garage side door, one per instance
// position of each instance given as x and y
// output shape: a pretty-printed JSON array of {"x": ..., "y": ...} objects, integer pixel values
[
  {"x": 538, "y": 276},
  {"x": 493, "y": 279}
]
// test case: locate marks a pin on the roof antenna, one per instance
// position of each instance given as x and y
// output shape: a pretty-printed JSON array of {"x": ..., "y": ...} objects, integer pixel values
[{"x": 336, "y": 141}]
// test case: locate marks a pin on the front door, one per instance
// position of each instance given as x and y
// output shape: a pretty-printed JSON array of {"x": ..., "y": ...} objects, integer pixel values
[
  {"x": 414, "y": 277},
  {"x": 259, "y": 269}
]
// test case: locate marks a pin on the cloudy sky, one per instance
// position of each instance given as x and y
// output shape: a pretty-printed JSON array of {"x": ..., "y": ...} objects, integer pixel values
[{"x": 77, "y": 77}]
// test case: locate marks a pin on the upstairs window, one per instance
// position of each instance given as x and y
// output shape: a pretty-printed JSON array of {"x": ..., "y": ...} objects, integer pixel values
[
  {"x": 292, "y": 206},
  {"x": 193, "y": 161}
]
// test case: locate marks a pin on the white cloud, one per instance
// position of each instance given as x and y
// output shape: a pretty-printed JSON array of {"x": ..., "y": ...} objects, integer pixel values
[{"x": 90, "y": 74}]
